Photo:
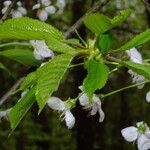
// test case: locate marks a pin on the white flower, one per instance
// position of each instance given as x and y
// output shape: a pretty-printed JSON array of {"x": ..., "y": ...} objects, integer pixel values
[
  {"x": 57, "y": 104},
  {"x": 61, "y": 5},
  {"x": 148, "y": 97},
  {"x": 141, "y": 134},
  {"x": 15, "y": 13},
  {"x": 44, "y": 9},
  {"x": 41, "y": 50},
  {"x": 136, "y": 57},
  {"x": 94, "y": 105}
]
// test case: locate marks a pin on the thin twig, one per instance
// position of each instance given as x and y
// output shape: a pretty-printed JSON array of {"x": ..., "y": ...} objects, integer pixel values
[
  {"x": 78, "y": 23},
  {"x": 12, "y": 89},
  {"x": 147, "y": 4},
  {"x": 8, "y": 11}
]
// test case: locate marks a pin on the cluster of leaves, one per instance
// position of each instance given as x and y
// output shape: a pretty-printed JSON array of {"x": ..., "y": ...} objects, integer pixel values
[{"x": 46, "y": 79}]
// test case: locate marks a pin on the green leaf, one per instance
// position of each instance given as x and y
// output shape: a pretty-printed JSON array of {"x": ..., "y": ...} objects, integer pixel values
[
  {"x": 96, "y": 78},
  {"x": 22, "y": 56},
  {"x": 117, "y": 20},
  {"x": 21, "y": 108},
  {"x": 141, "y": 69},
  {"x": 29, "y": 80},
  {"x": 136, "y": 41},
  {"x": 28, "y": 29},
  {"x": 4, "y": 68},
  {"x": 49, "y": 77},
  {"x": 60, "y": 47},
  {"x": 72, "y": 41},
  {"x": 97, "y": 23},
  {"x": 104, "y": 43}
]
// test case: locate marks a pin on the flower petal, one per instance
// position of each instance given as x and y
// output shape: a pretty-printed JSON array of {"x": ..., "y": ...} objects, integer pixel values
[
  {"x": 83, "y": 99},
  {"x": 16, "y": 14},
  {"x": 130, "y": 134},
  {"x": 22, "y": 10},
  {"x": 143, "y": 142},
  {"x": 56, "y": 104},
  {"x": 148, "y": 97},
  {"x": 43, "y": 15},
  {"x": 135, "y": 56},
  {"x": 50, "y": 9},
  {"x": 69, "y": 119},
  {"x": 46, "y": 2},
  {"x": 36, "y": 6},
  {"x": 7, "y": 3}
]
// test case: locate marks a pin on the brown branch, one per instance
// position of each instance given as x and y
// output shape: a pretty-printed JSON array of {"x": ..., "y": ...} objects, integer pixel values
[
  {"x": 79, "y": 22},
  {"x": 7, "y": 11},
  {"x": 147, "y": 4},
  {"x": 12, "y": 89}
]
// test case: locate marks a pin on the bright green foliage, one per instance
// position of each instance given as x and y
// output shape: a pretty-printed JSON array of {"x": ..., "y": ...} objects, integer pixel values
[
  {"x": 28, "y": 29},
  {"x": 49, "y": 77},
  {"x": 136, "y": 41},
  {"x": 29, "y": 80},
  {"x": 4, "y": 68},
  {"x": 72, "y": 41},
  {"x": 139, "y": 68},
  {"x": 96, "y": 78},
  {"x": 97, "y": 23},
  {"x": 21, "y": 108},
  {"x": 117, "y": 20},
  {"x": 104, "y": 43},
  {"x": 60, "y": 47},
  {"x": 21, "y": 55}
]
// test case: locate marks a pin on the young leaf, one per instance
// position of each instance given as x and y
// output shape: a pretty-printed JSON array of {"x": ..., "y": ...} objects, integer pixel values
[
  {"x": 21, "y": 55},
  {"x": 21, "y": 108},
  {"x": 96, "y": 78},
  {"x": 104, "y": 43},
  {"x": 28, "y": 29},
  {"x": 49, "y": 77},
  {"x": 97, "y": 23},
  {"x": 124, "y": 14},
  {"x": 136, "y": 41},
  {"x": 141, "y": 69}
]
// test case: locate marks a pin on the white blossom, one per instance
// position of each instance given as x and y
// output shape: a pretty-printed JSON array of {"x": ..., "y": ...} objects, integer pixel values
[
  {"x": 61, "y": 5},
  {"x": 44, "y": 9},
  {"x": 57, "y": 104},
  {"x": 41, "y": 50},
  {"x": 148, "y": 97},
  {"x": 140, "y": 134},
  {"x": 136, "y": 57},
  {"x": 94, "y": 105},
  {"x": 20, "y": 11}
]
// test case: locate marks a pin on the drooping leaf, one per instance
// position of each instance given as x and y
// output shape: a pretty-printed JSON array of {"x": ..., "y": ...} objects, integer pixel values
[
  {"x": 141, "y": 69},
  {"x": 97, "y": 23},
  {"x": 117, "y": 20},
  {"x": 21, "y": 55},
  {"x": 21, "y": 108},
  {"x": 136, "y": 41},
  {"x": 28, "y": 29},
  {"x": 49, "y": 77},
  {"x": 104, "y": 43},
  {"x": 2, "y": 66},
  {"x": 96, "y": 78}
]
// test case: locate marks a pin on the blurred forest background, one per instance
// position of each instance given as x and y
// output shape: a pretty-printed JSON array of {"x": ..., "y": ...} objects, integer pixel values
[{"x": 46, "y": 131}]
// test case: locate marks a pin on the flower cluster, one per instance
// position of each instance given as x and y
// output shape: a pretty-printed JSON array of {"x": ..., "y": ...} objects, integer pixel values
[
  {"x": 65, "y": 107},
  {"x": 44, "y": 8},
  {"x": 139, "y": 134},
  {"x": 20, "y": 11}
]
